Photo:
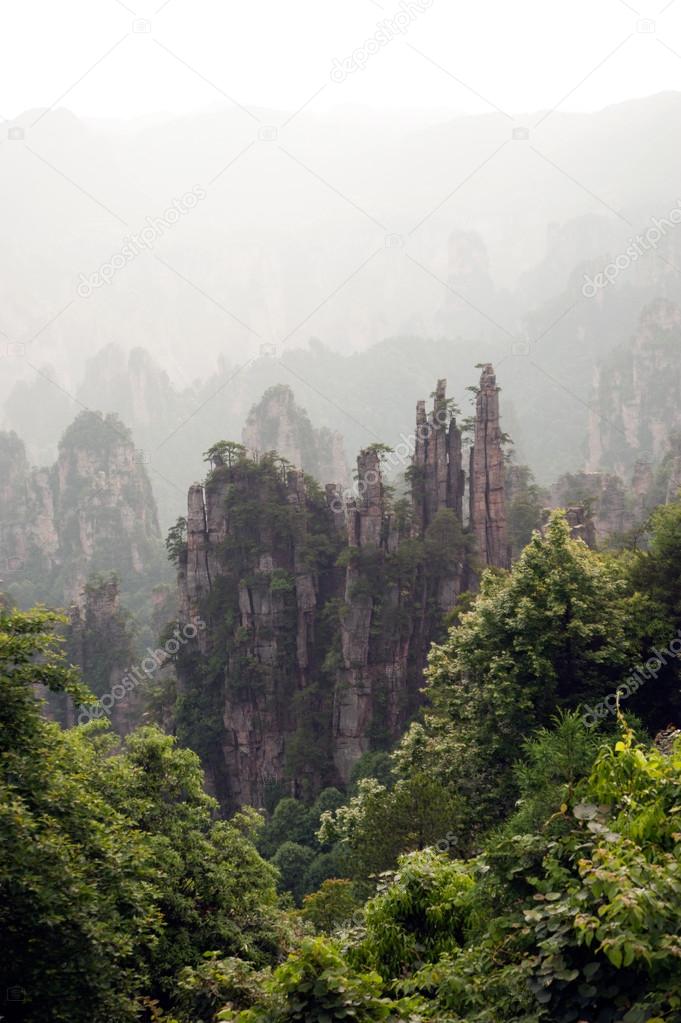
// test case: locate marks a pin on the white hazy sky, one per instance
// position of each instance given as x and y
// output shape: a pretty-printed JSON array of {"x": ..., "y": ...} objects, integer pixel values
[{"x": 520, "y": 56}]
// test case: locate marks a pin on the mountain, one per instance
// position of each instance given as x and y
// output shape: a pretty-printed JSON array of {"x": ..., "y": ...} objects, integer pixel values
[
  {"x": 91, "y": 512},
  {"x": 276, "y": 423},
  {"x": 636, "y": 406},
  {"x": 319, "y": 606}
]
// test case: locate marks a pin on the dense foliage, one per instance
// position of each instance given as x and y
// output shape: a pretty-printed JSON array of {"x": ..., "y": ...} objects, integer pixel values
[
  {"x": 570, "y": 911},
  {"x": 516, "y": 860},
  {"x": 561, "y": 629},
  {"x": 114, "y": 872}
]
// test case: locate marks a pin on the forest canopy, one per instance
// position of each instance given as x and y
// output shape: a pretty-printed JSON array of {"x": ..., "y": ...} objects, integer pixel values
[{"x": 513, "y": 859}]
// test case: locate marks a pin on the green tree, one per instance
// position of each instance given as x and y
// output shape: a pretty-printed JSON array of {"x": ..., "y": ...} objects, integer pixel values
[
  {"x": 317, "y": 985},
  {"x": 291, "y": 821},
  {"x": 292, "y": 861},
  {"x": 558, "y": 630},
  {"x": 331, "y": 906},
  {"x": 657, "y": 572},
  {"x": 377, "y": 824},
  {"x": 446, "y": 544},
  {"x": 224, "y": 452},
  {"x": 218, "y": 893},
  {"x": 581, "y": 916},
  {"x": 77, "y": 883},
  {"x": 419, "y": 914},
  {"x": 572, "y": 910},
  {"x": 374, "y": 764},
  {"x": 176, "y": 540},
  {"x": 115, "y": 874}
]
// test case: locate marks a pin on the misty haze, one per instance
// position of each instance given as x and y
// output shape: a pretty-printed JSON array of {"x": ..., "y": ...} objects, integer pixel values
[{"x": 340, "y": 512}]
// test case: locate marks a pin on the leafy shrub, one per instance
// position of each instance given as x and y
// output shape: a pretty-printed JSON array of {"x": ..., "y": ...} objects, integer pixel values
[{"x": 316, "y": 985}]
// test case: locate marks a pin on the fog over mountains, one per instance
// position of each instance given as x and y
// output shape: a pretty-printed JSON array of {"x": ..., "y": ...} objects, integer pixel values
[
  {"x": 471, "y": 235},
  {"x": 340, "y": 512}
]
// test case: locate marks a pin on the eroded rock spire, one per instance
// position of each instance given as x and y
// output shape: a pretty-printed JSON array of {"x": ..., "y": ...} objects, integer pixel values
[{"x": 487, "y": 499}]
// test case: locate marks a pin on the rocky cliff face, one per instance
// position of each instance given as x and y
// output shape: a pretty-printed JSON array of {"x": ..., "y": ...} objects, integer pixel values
[
  {"x": 674, "y": 482},
  {"x": 371, "y": 535},
  {"x": 581, "y": 525},
  {"x": 99, "y": 640},
  {"x": 93, "y": 511},
  {"x": 611, "y": 506},
  {"x": 320, "y": 609},
  {"x": 406, "y": 566},
  {"x": 104, "y": 506},
  {"x": 601, "y": 496},
  {"x": 259, "y": 566},
  {"x": 276, "y": 423},
  {"x": 29, "y": 541},
  {"x": 63, "y": 532},
  {"x": 636, "y": 404},
  {"x": 372, "y": 692},
  {"x": 438, "y": 479},
  {"x": 487, "y": 476}
]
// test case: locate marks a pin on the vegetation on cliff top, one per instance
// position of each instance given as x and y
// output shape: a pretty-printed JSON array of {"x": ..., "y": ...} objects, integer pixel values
[{"x": 517, "y": 862}]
